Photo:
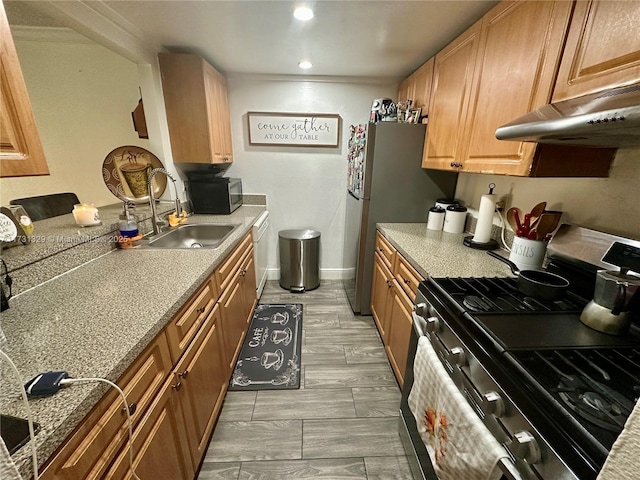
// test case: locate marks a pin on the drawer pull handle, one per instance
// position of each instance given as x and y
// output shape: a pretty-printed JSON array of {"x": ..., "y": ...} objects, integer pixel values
[
  {"x": 177, "y": 386},
  {"x": 184, "y": 374},
  {"x": 243, "y": 273},
  {"x": 132, "y": 408},
  {"x": 200, "y": 309}
]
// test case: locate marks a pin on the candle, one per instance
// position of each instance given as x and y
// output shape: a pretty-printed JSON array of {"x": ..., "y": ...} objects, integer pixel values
[{"x": 86, "y": 214}]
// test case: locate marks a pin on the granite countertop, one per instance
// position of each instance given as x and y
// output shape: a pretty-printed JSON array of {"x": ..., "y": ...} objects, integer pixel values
[
  {"x": 95, "y": 320},
  {"x": 440, "y": 254}
]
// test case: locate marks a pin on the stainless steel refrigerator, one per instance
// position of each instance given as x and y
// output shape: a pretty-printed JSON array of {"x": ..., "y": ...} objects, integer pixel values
[{"x": 386, "y": 184}]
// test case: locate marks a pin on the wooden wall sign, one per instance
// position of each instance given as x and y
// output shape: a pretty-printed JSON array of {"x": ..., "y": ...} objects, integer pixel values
[{"x": 294, "y": 129}]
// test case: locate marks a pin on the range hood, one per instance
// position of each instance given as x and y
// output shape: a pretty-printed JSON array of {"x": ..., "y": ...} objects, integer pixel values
[{"x": 603, "y": 119}]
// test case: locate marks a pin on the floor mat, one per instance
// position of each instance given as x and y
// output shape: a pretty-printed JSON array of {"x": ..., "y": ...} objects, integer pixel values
[{"x": 270, "y": 356}]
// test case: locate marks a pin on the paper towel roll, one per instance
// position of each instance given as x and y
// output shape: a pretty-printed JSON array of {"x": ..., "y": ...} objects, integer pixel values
[{"x": 485, "y": 218}]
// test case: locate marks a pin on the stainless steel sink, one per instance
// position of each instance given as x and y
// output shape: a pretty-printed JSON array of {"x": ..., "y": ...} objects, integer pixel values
[{"x": 199, "y": 235}]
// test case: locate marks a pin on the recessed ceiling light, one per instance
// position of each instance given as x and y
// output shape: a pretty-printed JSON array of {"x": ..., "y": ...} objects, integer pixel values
[
  {"x": 305, "y": 65},
  {"x": 303, "y": 13}
]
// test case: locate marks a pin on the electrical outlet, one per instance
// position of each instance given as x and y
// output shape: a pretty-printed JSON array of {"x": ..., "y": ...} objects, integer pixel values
[{"x": 500, "y": 205}]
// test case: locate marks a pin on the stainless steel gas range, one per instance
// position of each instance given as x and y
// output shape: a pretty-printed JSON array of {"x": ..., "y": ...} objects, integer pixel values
[{"x": 553, "y": 391}]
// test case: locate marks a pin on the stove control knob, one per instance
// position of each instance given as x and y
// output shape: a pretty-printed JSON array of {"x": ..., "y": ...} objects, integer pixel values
[
  {"x": 493, "y": 404},
  {"x": 433, "y": 324},
  {"x": 456, "y": 356},
  {"x": 421, "y": 309},
  {"x": 524, "y": 447}
]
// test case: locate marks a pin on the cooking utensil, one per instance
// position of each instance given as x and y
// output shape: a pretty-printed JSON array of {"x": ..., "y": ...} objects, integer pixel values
[
  {"x": 512, "y": 218},
  {"x": 537, "y": 283},
  {"x": 547, "y": 223},
  {"x": 536, "y": 211}
]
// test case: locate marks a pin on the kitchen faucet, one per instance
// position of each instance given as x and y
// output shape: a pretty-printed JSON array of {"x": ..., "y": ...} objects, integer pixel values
[{"x": 155, "y": 220}]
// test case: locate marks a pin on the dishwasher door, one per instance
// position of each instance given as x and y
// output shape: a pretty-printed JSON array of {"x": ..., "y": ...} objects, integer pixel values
[{"x": 261, "y": 251}]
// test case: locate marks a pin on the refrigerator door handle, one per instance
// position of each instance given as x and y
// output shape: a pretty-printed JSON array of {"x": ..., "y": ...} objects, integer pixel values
[{"x": 355, "y": 196}]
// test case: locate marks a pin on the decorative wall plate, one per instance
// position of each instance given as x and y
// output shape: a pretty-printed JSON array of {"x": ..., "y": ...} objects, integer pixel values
[{"x": 125, "y": 173}]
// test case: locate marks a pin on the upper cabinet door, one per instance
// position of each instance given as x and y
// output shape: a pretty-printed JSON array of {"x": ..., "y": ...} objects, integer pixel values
[
  {"x": 21, "y": 152},
  {"x": 422, "y": 79},
  {"x": 602, "y": 50},
  {"x": 520, "y": 48},
  {"x": 452, "y": 76},
  {"x": 195, "y": 98}
]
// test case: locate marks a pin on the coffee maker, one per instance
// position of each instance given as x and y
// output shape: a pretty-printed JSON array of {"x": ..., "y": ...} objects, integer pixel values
[{"x": 616, "y": 299}]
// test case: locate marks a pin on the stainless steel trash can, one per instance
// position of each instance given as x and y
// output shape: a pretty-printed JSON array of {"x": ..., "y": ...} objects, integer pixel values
[{"x": 299, "y": 259}]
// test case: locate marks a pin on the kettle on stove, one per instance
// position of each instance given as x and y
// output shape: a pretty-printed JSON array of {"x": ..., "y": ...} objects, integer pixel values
[{"x": 616, "y": 299}]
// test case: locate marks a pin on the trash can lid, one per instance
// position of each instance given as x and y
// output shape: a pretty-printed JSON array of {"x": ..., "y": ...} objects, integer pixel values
[{"x": 299, "y": 234}]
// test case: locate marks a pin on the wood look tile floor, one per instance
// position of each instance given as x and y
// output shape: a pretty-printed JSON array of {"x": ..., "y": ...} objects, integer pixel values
[{"x": 343, "y": 421}]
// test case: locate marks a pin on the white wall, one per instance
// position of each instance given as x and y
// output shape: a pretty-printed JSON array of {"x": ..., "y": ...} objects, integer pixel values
[
  {"x": 305, "y": 187},
  {"x": 82, "y": 95},
  {"x": 610, "y": 205}
]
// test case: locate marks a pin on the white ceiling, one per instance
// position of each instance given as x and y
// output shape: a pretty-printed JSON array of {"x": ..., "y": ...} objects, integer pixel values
[{"x": 377, "y": 39}]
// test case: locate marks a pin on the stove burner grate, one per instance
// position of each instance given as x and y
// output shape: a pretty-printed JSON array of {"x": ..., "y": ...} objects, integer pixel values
[
  {"x": 501, "y": 295},
  {"x": 606, "y": 408}
]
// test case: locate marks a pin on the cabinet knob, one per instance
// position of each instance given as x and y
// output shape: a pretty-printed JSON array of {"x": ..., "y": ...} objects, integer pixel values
[
  {"x": 523, "y": 446},
  {"x": 132, "y": 408},
  {"x": 177, "y": 386},
  {"x": 493, "y": 403},
  {"x": 200, "y": 309},
  {"x": 389, "y": 283},
  {"x": 243, "y": 273},
  {"x": 184, "y": 374}
]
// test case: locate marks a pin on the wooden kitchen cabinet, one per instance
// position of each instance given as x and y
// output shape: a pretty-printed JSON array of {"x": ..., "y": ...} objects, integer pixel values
[
  {"x": 21, "y": 152},
  {"x": 182, "y": 329},
  {"x": 380, "y": 296},
  {"x": 201, "y": 382},
  {"x": 401, "y": 323},
  {"x": 417, "y": 87},
  {"x": 602, "y": 49},
  {"x": 452, "y": 76},
  {"x": 160, "y": 445},
  {"x": 237, "y": 280},
  {"x": 197, "y": 106},
  {"x": 392, "y": 295},
  {"x": 518, "y": 48},
  {"x": 406, "y": 89},
  {"x": 91, "y": 448}
]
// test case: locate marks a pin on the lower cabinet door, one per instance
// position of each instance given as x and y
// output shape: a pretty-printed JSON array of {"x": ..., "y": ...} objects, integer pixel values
[
  {"x": 160, "y": 447},
  {"x": 399, "y": 331},
  {"x": 380, "y": 295},
  {"x": 233, "y": 319},
  {"x": 202, "y": 375}
]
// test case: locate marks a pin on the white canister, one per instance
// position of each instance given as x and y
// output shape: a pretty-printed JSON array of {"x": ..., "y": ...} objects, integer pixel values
[
  {"x": 454, "y": 219},
  {"x": 435, "y": 221},
  {"x": 528, "y": 254},
  {"x": 445, "y": 203}
]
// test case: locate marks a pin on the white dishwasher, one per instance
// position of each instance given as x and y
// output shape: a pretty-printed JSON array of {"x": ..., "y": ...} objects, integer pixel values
[{"x": 261, "y": 251}]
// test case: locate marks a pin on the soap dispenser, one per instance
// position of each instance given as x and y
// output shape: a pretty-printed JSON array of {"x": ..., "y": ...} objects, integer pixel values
[{"x": 128, "y": 224}]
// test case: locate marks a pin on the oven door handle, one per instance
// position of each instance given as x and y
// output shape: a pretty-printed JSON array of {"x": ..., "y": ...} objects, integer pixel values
[
  {"x": 508, "y": 469},
  {"x": 419, "y": 324}
]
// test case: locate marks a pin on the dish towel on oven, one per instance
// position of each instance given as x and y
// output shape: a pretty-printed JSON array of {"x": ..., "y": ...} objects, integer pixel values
[
  {"x": 460, "y": 446},
  {"x": 622, "y": 462}
]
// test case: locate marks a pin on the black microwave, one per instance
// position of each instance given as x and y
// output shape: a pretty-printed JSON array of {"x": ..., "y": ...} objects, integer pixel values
[{"x": 210, "y": 194}]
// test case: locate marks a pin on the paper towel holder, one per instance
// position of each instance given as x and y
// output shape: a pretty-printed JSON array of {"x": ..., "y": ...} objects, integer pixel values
[{"x": 490, "y": 244}]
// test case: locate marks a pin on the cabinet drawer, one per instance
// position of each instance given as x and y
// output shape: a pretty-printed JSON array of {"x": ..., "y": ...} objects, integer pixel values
[
  {"x": 224, "y": 273},
  {"x": 407, "y": 277},
  {"x": 184, "y": 327},
  {"x": 93, "y": 445},
  {"x": 386, "y": 251}
]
